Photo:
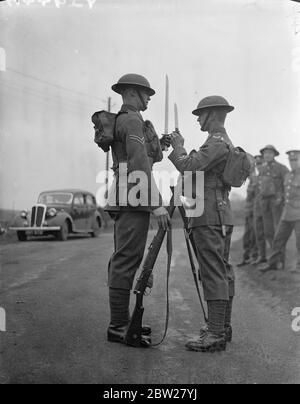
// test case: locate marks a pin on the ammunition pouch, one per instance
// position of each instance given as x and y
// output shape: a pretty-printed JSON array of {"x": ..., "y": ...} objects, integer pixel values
[{"x": 153, "y": 146}]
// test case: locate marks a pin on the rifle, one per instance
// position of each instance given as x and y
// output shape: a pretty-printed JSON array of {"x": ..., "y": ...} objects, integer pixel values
[
  {"x": 134, "y": 332},
  {"x": 189, "y": 240}
]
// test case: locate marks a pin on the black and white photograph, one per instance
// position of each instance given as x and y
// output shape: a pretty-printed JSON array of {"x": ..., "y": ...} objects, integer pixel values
[{"x": 149, "y": 194}]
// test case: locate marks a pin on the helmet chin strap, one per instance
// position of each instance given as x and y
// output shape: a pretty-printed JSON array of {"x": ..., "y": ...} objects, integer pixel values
[
  {"x": 141, "y": 99},
  {"x": 203, "y": 127}
]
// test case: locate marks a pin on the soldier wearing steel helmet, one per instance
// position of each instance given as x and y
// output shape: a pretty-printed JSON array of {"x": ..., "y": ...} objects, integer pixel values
[
  {"x": 213, "y": 230},
  {"x": 290, "y": 219},
  {"x": 271, "y": 181},
  {"x": 136, "y": 147}
]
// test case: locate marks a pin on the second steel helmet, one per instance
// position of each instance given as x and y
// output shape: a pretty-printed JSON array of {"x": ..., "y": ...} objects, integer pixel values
[
  {"x": 270, "y": 147},
  {"x": 293, "y": 153},
  {"x": 212, "y": 101},
  {"x": 135, "y": 80}
]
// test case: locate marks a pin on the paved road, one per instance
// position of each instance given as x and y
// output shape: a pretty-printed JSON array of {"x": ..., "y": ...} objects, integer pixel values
[{"x": 55, "y": 297}]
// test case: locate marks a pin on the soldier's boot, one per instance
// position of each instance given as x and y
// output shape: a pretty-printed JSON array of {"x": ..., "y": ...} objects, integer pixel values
[
  {"x": 260, "y": 260},
  {"x": 212, "y": 340},
  {"x": 246, "y": 261},
  {"x": 297, "y": 267},
  {"x": 270, "y": 266},
  {"x": 228, "y": 332},
  {"x": 119, "y": 311}
]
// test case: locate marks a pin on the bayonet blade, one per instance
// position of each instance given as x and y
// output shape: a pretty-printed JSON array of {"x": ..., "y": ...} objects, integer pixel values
[
  {"x": 167, "y": 106},
  {"x": 176, "y": 117}
]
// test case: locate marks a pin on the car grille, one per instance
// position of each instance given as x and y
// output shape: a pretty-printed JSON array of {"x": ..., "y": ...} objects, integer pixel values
[{"x": 38, "y": 213}]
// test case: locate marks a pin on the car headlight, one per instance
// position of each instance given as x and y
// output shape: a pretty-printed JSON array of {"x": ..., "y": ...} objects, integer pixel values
[
  {"x": 52, "y": 212},
  {"x": 24, "y": 214}
]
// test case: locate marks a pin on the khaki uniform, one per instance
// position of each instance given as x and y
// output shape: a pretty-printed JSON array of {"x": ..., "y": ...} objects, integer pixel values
[
  {"x": 259, "y": 228},
  {"x": 249, "y": 239},
  {"x": 258, "y": 222},
  {"x": 290, "y": 220},
  {"x": 137, "y": 145},
  {"x": 271, "y": 187},
  {"x": 213, "y": 230}
]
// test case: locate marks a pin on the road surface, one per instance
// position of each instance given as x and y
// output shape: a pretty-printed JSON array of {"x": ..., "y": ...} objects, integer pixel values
[{"x": 56, "y": 302}]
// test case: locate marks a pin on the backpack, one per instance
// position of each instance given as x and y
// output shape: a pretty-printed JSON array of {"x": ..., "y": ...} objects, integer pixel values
[
  {"x": 237, "y": 168},
  {"x": 104, "y": 125}
]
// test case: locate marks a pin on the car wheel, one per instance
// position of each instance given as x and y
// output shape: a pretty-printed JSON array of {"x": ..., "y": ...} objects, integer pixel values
[
  {"x": 22, "y": 236},
  {"x": 96, "y": 227},
  {"x": 63, "y": 232}
]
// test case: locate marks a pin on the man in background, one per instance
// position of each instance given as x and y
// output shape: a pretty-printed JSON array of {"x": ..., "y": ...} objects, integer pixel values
[
  {"x": 290, "y": 220},
  {"x": 271, "y": 178}
]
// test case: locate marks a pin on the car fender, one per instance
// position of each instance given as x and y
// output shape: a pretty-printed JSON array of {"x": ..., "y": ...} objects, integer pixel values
[{"x": 59, "y": 219}]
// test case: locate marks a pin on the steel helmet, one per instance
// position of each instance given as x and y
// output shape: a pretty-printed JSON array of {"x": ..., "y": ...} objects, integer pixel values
[
  {"x": 293, "y": 153},
  {"x": 212, "y": 101},
  {"x": 135, "y": 80},
  {"x": 270, "y": 147}
]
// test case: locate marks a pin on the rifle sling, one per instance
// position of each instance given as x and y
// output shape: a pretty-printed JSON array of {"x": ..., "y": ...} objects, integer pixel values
[{"x": 169, "y": 254}]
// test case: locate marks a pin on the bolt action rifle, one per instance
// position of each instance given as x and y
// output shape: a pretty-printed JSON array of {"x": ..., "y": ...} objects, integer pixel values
[{"x": 134, "y": 332}]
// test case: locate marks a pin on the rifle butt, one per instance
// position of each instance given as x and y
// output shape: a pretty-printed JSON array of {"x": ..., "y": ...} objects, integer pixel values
[{"x": 134, "y": 333}]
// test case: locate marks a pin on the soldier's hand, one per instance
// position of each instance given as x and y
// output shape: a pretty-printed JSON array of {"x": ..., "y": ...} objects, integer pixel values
[
  {"x": 177, "y": 139},
  {"x": 165, "y": 141},
  {"x": 163, "y": 218}
]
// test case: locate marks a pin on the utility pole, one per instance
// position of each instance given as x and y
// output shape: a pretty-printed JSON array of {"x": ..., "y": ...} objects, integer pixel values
[{"x": 107, "y": 153}]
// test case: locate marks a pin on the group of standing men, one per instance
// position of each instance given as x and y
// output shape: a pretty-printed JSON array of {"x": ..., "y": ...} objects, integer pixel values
[{"x": 272, "y": 210}]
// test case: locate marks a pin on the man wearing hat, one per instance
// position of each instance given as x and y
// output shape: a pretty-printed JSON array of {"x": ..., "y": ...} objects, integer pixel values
[
  {"x": 258, "y": 217},
  {"x": 290, "y": 219},
  {"x": 212, "y": 231},
  {"x": 271, "y": 185},
  {"x": 136, "y": 147}
]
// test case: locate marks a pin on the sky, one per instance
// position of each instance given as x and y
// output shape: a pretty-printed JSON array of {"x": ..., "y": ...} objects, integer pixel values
[{"x": 60, "y": 64}]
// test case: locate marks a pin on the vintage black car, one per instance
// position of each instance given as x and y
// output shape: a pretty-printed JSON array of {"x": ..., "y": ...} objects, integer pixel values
[{"x": 60, "y": 213}]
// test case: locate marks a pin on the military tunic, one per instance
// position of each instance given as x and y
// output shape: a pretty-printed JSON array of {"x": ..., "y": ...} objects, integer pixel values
[
  {"x": 271, "y": 180},
  {"x": 290, "y": 219},
  {"x": 136, "y": 145},
  {"x": 213, "y": 243}
]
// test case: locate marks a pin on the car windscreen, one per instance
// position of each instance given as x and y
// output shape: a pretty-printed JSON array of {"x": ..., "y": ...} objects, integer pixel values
[{"x": 54, "y": 198}]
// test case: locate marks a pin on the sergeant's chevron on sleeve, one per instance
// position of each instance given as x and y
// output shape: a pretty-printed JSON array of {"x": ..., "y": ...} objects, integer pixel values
[{"x": 137, "y": 139}]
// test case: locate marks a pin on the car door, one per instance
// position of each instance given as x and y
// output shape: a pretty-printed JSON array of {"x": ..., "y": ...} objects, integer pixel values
[
  {"x": 79, "y": 212},
  {"x": 91, "y": 209}
]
